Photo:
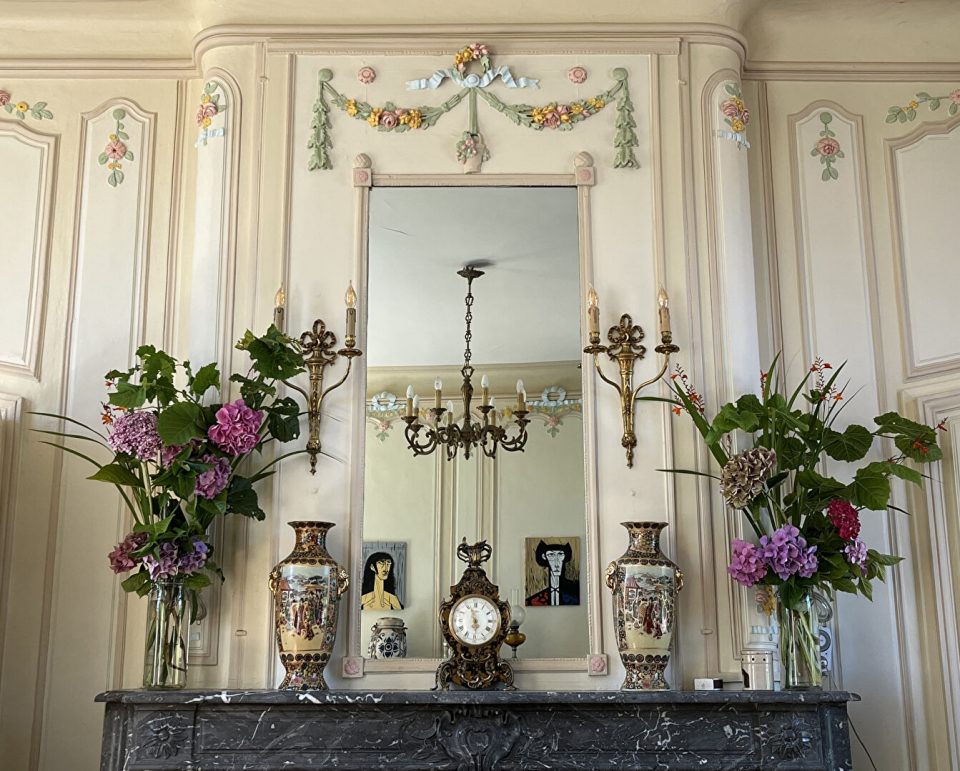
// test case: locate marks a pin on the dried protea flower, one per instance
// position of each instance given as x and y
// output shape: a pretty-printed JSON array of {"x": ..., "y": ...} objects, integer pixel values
[{"x": 744, "y": 476}]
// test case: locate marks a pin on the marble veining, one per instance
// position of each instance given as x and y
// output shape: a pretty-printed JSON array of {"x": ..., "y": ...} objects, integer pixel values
[{"x": 472, "y": 731}]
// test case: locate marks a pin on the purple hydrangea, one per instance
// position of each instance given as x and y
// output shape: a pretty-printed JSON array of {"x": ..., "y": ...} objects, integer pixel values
[
  {"x": 166, "y": 567},
  {"x": 787, "y": 553},
  {"x": 121, "y": 558},
  {"x": 169, "y": 453},
  {"x": 236, "y": 428},
  {"x": 196, "y": 558},
  {"x": 135, "y": 433},
  {"x": 212, "y": 482},
  {"x": 747, "y": 566},
  {"x": 856, "y": 553}
]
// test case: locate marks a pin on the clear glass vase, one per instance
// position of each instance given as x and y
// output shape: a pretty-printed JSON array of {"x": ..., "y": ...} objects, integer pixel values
[
  {"x": 168, "y": 622},
  {"x": 799, "y": 645}
]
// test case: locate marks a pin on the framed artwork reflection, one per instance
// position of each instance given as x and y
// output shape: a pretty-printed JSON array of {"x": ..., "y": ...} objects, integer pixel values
[{"x": 383, "y": 586}]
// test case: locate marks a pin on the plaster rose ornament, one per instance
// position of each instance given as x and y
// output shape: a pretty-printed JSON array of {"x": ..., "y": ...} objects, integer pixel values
[
  {"x": 4, "y": 98},
  {"x": 472, "y": 152},
  {"x": 366, "y": 75},
  {"x": 206, "y": 114},
  {"x": 389, "y": 120},
  {"x": 212, "y": 103},
  {"x": 21, "y": 109},
  {"x": 827, "y": 149},
  {"x": 736, "y": 116},
  {"x": 116, "y": 151},
  {"x": 908, "y": 112},
  {"x": 577, "y": 75}
]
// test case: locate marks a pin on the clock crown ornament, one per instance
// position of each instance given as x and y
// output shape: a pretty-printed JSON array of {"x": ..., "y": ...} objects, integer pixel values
[{"x": 474, "y": 554}]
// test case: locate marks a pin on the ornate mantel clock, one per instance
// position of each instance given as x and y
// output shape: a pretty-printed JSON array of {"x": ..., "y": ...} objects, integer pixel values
[{"x": 474, "y": 622}]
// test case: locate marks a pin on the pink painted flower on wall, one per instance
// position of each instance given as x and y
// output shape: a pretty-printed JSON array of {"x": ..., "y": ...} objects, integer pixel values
[
  {"x": 4, "y": 98},
  {"x": 115, "y": 150},
  {"x": 729, "y": 108},
  {"x": 389, "y": 120},
  {"x": 827, "y": 149},
  {"x": 366, "y": 75},
  {"x": 828, "y": 146},
  {"x": 577, "y": 74},
  {"x": 205, "y": 114},
  {"x": 955, "y": 96}
]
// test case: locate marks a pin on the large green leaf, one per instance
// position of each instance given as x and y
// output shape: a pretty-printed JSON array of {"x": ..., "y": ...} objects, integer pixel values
[
  {"x": 180, "y": 423},
  {"x": 870, "y": 488},
  {"x": 116, "y": 474},
  {"x": 898, "y": 470},
  {"x": 920, "y": 449},
  {"x": 128, "y": 396},
  {"x": 139, "y": 582},
  {"x": 242, "y": 499},
  {"x": 853, "y": 444},
  {"x": 207, "y": 377}
]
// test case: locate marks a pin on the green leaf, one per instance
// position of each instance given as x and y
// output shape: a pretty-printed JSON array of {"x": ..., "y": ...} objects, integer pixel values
[
  {"x": 919, "y": 448},
  {"x": 866, "y": 589},
  {"x": 825, "y": 176},
  {"x": 884, "y": 559},
  {"x": 123, "y": 135},
  {"x": 180, "y": 423},
  {"x": 952, "y": 109},
  {"x": 242, "y": 499},
  {"x": 137, "y": 582},
  {"x": 934, "y": 104},
  {"x": 102, "y": 159},
  {"x": 891, "y": 118},
  {"x": 899, "y": 470},
  {"x": 853, "y": 444},
  {"x": 870, "y": 489},
  {"x": 128, "y": 396},
  {"x": 112, "y": 179},
  {"x": 119, "y": 114},
  {"x": 128, "y": 155},
  {"x": 116, "y": 474},
  {"x": 208, "y": 376},
  {"x": 844, "y": 585}
]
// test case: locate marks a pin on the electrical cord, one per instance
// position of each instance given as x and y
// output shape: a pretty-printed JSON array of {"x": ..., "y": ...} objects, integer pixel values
[{"x": 869, "y": 756}]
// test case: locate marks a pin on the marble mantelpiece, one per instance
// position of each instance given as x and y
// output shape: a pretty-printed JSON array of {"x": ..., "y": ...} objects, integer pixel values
[{"x": 666, "y": 730}]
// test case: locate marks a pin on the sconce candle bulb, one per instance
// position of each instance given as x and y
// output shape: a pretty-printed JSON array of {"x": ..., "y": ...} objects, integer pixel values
[
  {"x": 664, "y": 311},
  {"x": 521, "y": 397},
  {"x": 493, "y": 411},
  {"x": 279, "y": 308},
  {"x": 593, "y": 315},
  {"x": 437, "y": 391},
  {"x": 350, "y": 298},
  {"x": 409, "y": 400},
  {"x": 449, "y": 412},
  {"x": 484, "y": 390}
]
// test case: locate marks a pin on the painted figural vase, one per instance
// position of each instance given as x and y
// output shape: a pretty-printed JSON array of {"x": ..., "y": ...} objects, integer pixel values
[
  {"x": 388, "y": 639},
  {"x": 306, "y": 587},
  {"x": 645, "y": 586}
]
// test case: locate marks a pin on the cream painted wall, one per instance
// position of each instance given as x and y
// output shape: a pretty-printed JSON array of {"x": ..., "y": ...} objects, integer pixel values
[{"x": 66, "y": 631}]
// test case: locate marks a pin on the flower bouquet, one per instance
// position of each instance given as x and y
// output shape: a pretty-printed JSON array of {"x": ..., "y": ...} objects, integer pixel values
[
  {"x": 807, "y": 525},
  {"x": 176, "y": 459}
]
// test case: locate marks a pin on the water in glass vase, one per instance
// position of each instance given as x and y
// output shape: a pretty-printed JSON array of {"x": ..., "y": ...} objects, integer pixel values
[
  {"x": 799, "y": 644},
  {"x": 168, "y": 621}
]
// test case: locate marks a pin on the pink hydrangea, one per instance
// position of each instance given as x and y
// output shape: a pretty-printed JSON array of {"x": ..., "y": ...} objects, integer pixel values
[
  {"x": 121, "y": 558},
  {"x": 211, "y": 483},
  {"x": 135, "y": 433},
  {"x": 236, "y": 428},
  {"x": 747, "y": 566}
]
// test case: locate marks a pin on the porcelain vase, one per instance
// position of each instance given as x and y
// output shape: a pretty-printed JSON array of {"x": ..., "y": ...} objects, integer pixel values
[
  {"x": 388, "y": 639},
  {"x": 306, "y": 587},
  {"x": 645, "y": 585}
]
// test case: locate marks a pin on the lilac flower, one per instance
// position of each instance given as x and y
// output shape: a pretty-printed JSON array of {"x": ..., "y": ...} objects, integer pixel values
[
  {"x": 787, "y": 553},
  {"x": 746, "y": 567},
  {"x": 195, "y": 559},
  {"x": 211, "y": 482},
  {"x": 165, "y": 567},
  {"x": 135, "y": 433},
  {"x": 236, "y": 428},
  {"x": 856, "y": 554},
  {"x": 121, "y": 558}
]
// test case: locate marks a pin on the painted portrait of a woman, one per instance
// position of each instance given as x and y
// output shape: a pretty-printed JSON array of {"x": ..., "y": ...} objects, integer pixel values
[{"x": 379, "y": 590}]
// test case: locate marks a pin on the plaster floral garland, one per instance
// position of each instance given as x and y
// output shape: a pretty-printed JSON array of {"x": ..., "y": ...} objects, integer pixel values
[
  {"x": 20, "y": 109},
  {"x": 471, "y": 149},
  {"x": 210, "y": 106},
  {"x": 736, "y": 116},
  {"x": 827, "y": 148},
  {"x": 116, "y": 150},
  {"x": 908, "y": 112}
]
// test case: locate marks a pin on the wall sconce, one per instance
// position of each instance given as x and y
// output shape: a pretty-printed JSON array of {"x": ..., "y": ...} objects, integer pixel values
[
  {"x": 318, "y": 347},
  {"x": 625, "y": 348}
]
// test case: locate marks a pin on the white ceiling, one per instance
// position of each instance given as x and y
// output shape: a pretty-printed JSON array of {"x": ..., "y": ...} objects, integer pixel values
[{"x": 527, "y": 305}]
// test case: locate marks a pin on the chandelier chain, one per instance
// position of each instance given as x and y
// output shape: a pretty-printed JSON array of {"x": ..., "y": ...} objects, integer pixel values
[{"x": 468, "y": 336}]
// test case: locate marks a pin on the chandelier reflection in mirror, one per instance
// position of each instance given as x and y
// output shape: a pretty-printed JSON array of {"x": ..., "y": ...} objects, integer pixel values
[{"x": 488, "y": 435}]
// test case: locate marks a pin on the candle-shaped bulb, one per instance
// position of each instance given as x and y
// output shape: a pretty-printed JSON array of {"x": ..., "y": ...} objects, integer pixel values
[
  {"x": 409, "y": 391},
  {"x": 350, "y": 298},
  {"x": 279, "y": 308},
  {"x": 664, "y": 312},
  {"x": 484, "y": 391},
  {"x": 593, "y": 314},
  {"x": 437, "y": 387},
  {"x": 485, "y": 382},
  {"x": 520, "y": 388},
  {"x": 409, "y": 401},
  {"x": 416, "y": 404},
  {"x": 493, "y": 410},
  {"x": 449, "y": 412},
  {"x": 521, "y": 397}
]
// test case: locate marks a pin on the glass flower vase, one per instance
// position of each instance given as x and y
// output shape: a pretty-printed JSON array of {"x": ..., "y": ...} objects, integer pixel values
[
  {"x": 167, "y": 642},
  {"x": 799, "y": 644}
]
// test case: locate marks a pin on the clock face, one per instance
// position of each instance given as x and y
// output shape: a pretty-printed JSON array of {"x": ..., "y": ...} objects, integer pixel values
[{"x": 475, "y": 620}]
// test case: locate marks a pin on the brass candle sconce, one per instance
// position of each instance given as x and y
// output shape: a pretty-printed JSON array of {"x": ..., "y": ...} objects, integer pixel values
[
  {"x": 626, "y": 348},
  {"x": 318, "y": 347}
]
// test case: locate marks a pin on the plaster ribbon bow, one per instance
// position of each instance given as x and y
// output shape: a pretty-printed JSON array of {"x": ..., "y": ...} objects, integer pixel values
[
  {"x": 737, "y": 137},
  {"x": 473, "y": 80},
  {"x": 206, "y": 134}
]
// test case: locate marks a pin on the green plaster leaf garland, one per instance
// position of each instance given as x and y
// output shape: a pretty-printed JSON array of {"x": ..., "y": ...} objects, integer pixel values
[
  {"x": 908, "y": 112},
  {"x": 827, "y": 148},
  {"x": 21, "y": 109},
  {"x": 116, "y": 152},
  {"x": 389, "y": 117}
]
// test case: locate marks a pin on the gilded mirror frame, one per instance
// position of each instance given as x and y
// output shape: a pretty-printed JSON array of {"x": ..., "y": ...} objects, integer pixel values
[{"x": 582, "y": 177}]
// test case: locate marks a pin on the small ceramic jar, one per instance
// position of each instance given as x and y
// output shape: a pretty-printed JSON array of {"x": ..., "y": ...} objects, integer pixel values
[{"x": 388, "y": 639}]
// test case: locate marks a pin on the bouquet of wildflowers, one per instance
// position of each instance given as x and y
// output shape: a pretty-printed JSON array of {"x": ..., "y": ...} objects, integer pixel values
[
  {"x": 807, "y": 525},
  {"x": 177, "y": 453}
]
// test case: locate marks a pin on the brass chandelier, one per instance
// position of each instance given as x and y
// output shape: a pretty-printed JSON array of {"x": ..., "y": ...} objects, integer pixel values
[{"x": 424, "y": 438}]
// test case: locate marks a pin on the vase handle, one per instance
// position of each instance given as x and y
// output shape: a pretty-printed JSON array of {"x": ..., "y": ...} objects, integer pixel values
[
  {"x": 679, "y": 580},
  {"x": 343, "y": 580},
  {"x": 610, "y": 575},
  {"x": 272, "y": 582}
]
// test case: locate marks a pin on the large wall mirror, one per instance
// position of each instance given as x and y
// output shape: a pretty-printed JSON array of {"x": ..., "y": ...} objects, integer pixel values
[{"x": 530, "y": 505}]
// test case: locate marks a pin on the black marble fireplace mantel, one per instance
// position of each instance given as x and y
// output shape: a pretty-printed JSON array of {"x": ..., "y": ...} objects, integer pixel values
[{"x": 266, "y": 730}]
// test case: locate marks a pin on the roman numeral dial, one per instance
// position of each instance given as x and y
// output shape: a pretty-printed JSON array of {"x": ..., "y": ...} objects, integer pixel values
[{"x": 474, "y": 620}]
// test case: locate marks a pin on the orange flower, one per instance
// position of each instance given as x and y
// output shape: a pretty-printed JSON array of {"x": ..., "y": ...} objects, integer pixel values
[{"x": 677, "y": 410}]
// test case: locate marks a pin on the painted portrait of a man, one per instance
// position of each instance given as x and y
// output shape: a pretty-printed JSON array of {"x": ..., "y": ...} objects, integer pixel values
[
  {"x": 381, "y": 586},
  {"x": 553, "y": 572}
]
